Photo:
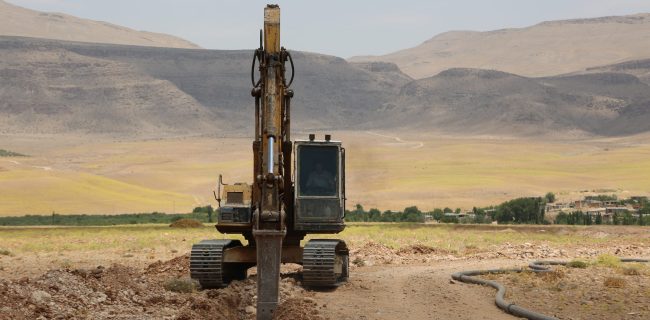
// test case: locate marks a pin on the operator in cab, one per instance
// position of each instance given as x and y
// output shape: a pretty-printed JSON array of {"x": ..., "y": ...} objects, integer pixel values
[{"x": 320, "y": 182}]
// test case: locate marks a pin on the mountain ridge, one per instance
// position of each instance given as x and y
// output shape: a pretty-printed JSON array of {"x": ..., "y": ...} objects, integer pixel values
[
  {"x": 544, "y": 49},
  {"x": 19, "y": 21}
]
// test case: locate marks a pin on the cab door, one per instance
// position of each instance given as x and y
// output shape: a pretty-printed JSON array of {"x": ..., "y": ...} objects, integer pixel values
[{"x": 319, "y": 200}]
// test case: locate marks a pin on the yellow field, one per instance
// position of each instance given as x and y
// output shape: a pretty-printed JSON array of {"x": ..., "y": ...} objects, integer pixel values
[{"x": 85, "y": 175}]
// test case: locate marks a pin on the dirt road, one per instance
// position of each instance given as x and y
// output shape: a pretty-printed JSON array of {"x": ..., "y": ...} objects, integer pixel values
[{"x": 412, "y": 292}]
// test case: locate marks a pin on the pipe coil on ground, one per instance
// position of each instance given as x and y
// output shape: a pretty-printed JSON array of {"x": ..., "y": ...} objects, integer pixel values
[{"x": 511, "y": 308}]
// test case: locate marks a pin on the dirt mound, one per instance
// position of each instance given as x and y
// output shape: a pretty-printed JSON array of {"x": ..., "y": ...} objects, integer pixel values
[
  {"x": 420, "y": 249},
  {"x": 372, "y": 253},
  {"x": 98, "y": 293},
  {"x": 124, "y": 292},
  {"x": 298, "y": 309},
  {"x": 216, "y": 304},
  {"x": 186, "y": 223},
  {"x": 177, "y": 267}
]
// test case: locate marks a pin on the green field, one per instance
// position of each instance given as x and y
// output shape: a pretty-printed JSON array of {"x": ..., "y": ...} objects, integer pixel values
[{"x": 454, "y": 238}]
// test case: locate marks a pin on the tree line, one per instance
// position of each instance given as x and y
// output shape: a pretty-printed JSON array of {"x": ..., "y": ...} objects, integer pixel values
[
  {"x": 528, "y": 210},
  {"x": 521, "y": 210}
]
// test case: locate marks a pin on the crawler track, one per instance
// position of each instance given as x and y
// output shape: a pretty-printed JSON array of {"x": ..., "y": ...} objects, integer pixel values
[
  {"x": 325, "y": 263},
  {"x": 207, "y": 266}
]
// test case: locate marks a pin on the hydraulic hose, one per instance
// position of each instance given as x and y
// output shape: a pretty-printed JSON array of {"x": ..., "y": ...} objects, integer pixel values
[{"x": 511, "y": 308}]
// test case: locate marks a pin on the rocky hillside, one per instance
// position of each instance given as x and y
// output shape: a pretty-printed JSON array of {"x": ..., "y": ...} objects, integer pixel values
[
  {"x": 493, "y": 102},
  {"x": 637, "y": 68},
  {"x": 17, "y": 21},
  {"x": 49, "y": 86},
  {"x": 546, "y": 49}
]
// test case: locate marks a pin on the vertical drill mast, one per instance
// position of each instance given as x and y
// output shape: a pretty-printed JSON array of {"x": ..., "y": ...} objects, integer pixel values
[{"x": 269, "y": 226}]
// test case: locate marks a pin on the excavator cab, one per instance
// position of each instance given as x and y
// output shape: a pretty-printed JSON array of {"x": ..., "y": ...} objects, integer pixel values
[{"x": 319, "y": 201}]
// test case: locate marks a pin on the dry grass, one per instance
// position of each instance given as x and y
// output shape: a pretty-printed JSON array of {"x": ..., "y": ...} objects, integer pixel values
[
  {"x": 132, "y": 238},
  {"x": 45, "y": 248},
  {"x": 631, "y": 271},
  {"x": 634, "y": 269},
  {"x": 608, "y": 260},
  {"x": 614, "y": 282},
  {"x": 100, "y": 176},
  {"x": 552, "y": 276}
]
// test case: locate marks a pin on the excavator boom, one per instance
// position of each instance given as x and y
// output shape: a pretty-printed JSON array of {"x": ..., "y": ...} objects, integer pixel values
[{"x": 288, "y": 199}]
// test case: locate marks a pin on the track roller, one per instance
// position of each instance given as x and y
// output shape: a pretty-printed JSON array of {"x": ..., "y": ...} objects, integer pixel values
[{"x": 325, "y": 263}]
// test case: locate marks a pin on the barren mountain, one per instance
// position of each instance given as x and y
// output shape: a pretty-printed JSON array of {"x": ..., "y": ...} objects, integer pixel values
[
  {"x": 638, "y": 68},
  {"x": 57, "y": 86},
  {"x": 49, "y": 86},
  {"x": 52, "y": 90},
  {"x": 546, "y": 49},
  {"x": 17, "y": 21},
  {"x": 479, "y": 101}
]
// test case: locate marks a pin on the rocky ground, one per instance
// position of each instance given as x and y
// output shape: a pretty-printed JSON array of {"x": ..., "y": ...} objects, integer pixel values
[
  {"x": 120, "y": 292},
  {"x": 412, "y": 282}
]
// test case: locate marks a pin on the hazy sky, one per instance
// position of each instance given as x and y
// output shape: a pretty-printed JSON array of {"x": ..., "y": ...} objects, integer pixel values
[{"x": 342, "y": 28}]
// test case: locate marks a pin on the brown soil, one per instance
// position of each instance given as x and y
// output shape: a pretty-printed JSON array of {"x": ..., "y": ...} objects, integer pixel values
[
  {"x": 127, "y": 293},
  {"x": 299, "y": 309},
  {"x": 574, "y": 293},
  {"x": 186, "y": 223},
  {"x": 409, "y": 283}
]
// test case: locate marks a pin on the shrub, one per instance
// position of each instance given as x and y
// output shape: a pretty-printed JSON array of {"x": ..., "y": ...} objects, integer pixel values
[
  {"x": 608, "y": 260},
  {"x": 181, "y": 285},
  {"x": 550, "y": 197},
  {"x": 577, "y": 264},
  {"x": 7, "y": 153},
  {"x": 186, "y": 223},
  {"x": 5, "y": 252}
]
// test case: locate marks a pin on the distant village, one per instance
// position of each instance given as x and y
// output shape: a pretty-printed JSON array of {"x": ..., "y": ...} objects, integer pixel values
[{"x": 602, "y": 207}]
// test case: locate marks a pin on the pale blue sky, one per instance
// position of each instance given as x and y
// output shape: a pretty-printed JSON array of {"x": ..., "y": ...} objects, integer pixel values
[{"x": 337, "y": 27}]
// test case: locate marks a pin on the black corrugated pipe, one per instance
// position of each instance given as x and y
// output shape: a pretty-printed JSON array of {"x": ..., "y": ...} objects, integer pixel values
[{"x": 511, "y": 308}]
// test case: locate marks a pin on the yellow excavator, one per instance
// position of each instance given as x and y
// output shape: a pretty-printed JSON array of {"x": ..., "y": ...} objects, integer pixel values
[{"x": 289, "y": 198}]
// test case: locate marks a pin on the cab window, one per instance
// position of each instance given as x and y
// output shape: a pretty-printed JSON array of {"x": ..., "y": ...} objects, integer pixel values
[{"x": 318, "y": 170}]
